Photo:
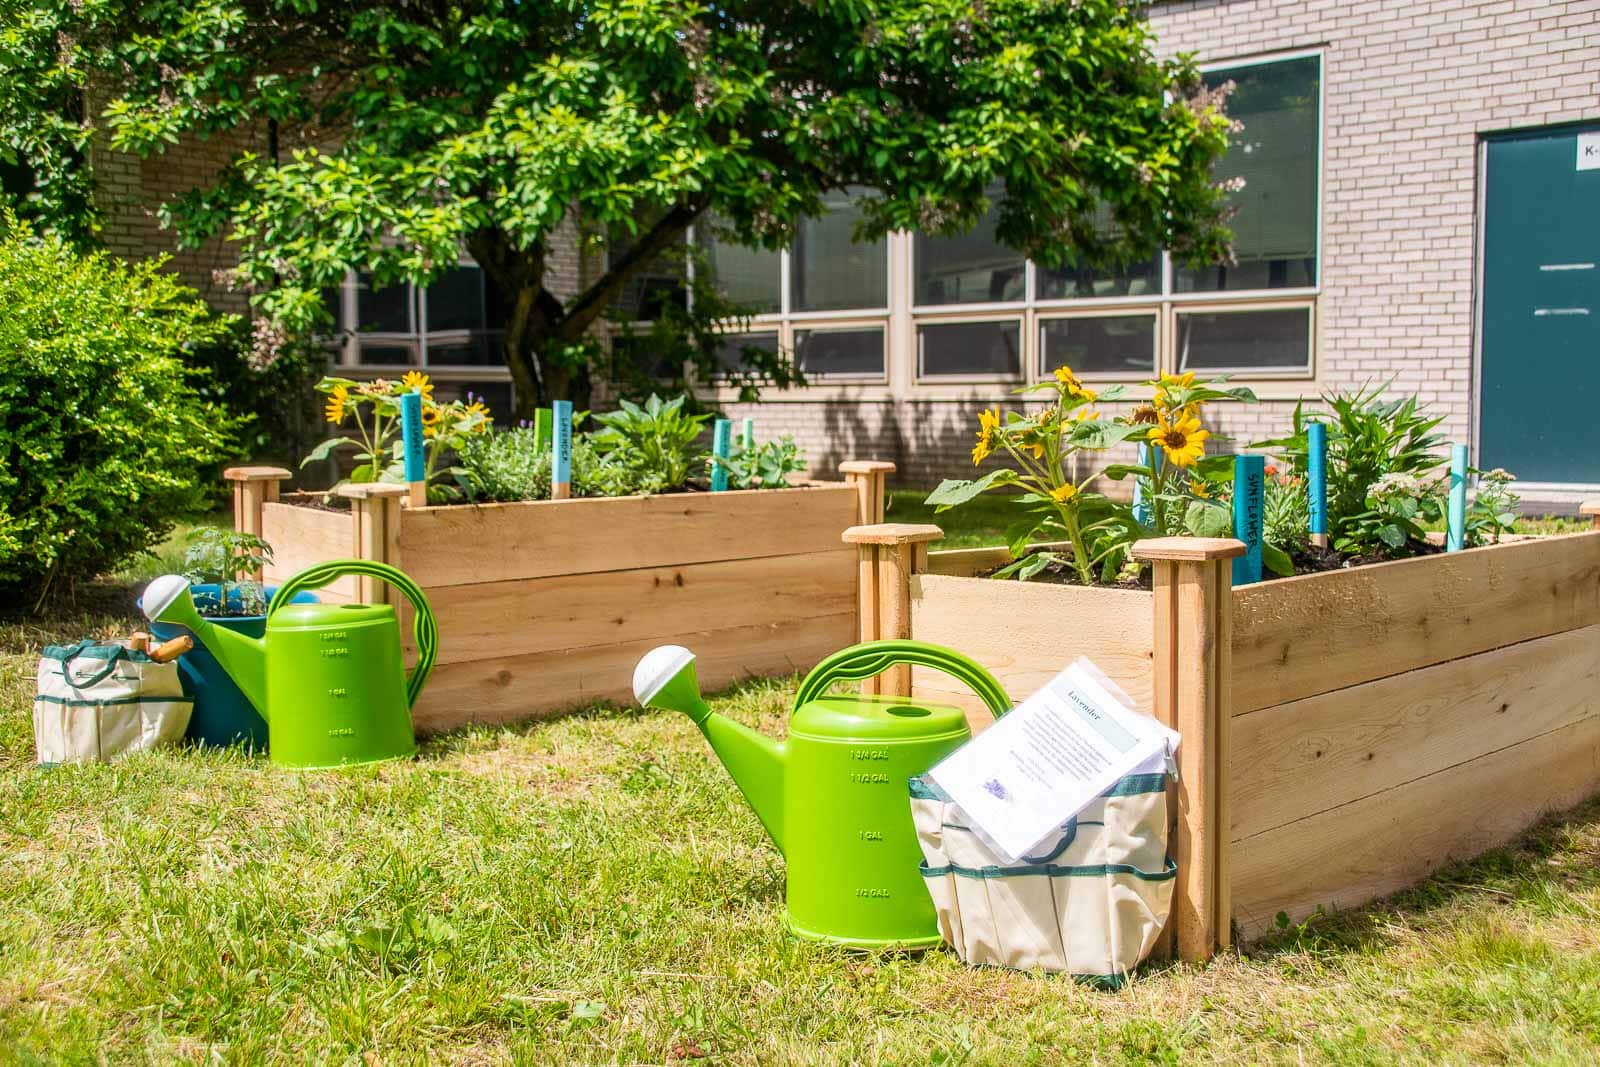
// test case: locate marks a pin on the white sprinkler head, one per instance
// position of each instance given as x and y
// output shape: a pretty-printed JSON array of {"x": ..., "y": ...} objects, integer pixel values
[
  {"x": 658, "y": 667},
  {"x": 160, "y": 595}
]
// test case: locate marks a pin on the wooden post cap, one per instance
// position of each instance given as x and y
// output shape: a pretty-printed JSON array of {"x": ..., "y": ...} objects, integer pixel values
[
  {"x": 256, "y": 474},
  {"x": 866, "y": 466},
  {"x": 369, "y": 490},
  {"x": 1589, "y": 507},
  {"x": 892, "y": 533},
  {"x": 1188, "y": 549}
]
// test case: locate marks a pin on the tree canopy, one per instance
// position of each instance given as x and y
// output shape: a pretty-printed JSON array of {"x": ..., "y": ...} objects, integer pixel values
[{"x": 407, "y": 129}]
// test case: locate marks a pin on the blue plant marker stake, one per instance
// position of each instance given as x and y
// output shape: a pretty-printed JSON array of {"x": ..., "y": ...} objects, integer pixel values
[
  {"x": 561, "y": 442},
  {"x": 541, "y": 428},
  {"x": 1141, "y": 508},
  {"x": 721, "y": 438},
  {"x": 747, "y": 434},
  {"x": 1249, "y": 486},
  {"x": 416, "y": 464},
  {"x": 1317, "y": 477},
  {"x": 1455, "y": 538}
]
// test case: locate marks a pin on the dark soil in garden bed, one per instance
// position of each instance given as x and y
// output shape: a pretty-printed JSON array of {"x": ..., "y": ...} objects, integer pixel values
[{"x": 1310, "y": 560}]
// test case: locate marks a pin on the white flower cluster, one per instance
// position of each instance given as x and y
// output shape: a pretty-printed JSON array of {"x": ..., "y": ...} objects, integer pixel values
[{"x": 1401, "y": 484}]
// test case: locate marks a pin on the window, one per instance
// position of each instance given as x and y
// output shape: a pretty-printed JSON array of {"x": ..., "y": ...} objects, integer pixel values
[
  {"x": 829, "y": 270},
  {"x": 1123, "y": 346},
  {"x": 734, "y": 354},
  {"x": 1276, "y": 154},
  {"x": 1245, "y": 340},
  {"x": 750, "y": 277},
  {"x": 969, "y": 268},
  {"x": 854, "y": 352},
  {"x": 1067, "y": 283},
  {"x": 969, "y": 349},
  {"x": 459, "y": 320}
]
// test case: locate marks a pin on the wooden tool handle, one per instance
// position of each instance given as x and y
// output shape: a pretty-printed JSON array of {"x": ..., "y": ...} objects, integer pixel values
[
  {"x": 140, "y": 641},
  {"x": 168, "y": 651}
]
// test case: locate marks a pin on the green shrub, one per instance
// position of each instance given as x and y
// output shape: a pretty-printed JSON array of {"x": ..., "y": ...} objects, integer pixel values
[
  {"x": 104, "y": 439},
  {"x": 654, "y": 443},
  {"x": 762, "y": 466},
  {"x": 514, "y": 465}
]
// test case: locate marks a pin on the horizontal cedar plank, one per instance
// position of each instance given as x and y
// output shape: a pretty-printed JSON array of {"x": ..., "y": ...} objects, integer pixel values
[
  {"x": 1026, "y": 632},
  {"x": 518, "y": 687},
  {"x": 301, "y": 537},
  {"x": 502, "y": 542},
  {"x": 499, "y": 619},
  {"x": 1359, "y": 852},
  {"x": 1294, "y": 760},
  {"x": 1297, "y": 637}
]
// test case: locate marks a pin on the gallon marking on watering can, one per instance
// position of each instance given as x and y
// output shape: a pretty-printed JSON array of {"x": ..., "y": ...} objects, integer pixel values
[
  {"x": 864, "y": 778},
  {"x": 873, "y": 893},
  {"x": 332, "y": 653},
  {"x": 869, "y": 754}
]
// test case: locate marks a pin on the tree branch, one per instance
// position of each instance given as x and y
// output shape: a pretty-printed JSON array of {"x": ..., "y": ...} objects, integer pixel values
[{"x": 592, "y": 303}]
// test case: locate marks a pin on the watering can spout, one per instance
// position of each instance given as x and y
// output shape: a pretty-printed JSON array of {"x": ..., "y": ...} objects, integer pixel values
[
  {"x": 665, "y": 678},
  {"x": 167, "y": 600}
]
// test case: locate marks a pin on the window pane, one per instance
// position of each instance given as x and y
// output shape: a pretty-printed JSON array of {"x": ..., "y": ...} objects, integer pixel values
[
  {"x": 1122, "y": 344},
  {"x": 386, "y": 310},
  {"x": 970, "y": 268},
  {"x": 476, "y": 350},
  {"x": 732, "y": 356},
  {"x": 455, "y": 300},
  {"x": 747, "y": 276},
  {"x": 1247, "y": 340},
  {"x": 1275, "y": 230},
  {"x": 973, "y": 348},
  {"x": 658, "y": 284},
  {"x": 1067, "y": 283},
  {"x": 829, "y": 271},
  {"x": 642, "y": 355},
  {"x": 858, "y": 352}
]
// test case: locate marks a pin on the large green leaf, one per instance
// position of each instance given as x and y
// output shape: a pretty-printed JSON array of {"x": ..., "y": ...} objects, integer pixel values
[
  {"x": 325, "y": 449},
  {"x": 1207, "y": 518},
  {"x": 953, "y": 491},
  {"x": 1276, "y": 560}
]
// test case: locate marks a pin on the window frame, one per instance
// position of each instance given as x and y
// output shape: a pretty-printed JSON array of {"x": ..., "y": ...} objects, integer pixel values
[
  {"x": 418, "y": 341},
  {"x": 1105, "y": 311}
]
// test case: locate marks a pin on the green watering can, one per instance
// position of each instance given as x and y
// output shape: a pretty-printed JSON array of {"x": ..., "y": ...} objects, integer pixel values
[
  {"x": 833, "y": 796},
  {"x": 328, "y": 678}
]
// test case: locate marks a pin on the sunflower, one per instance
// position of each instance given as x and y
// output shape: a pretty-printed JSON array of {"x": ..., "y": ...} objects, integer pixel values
[
  {"x": 1073, "y": 386},
  {"x": 1169, "y": 384},
  {"x": 1145, "y": 415},
  {"x": 337, "y": 399},
  {"x": 1063, "y": 493},
  {"x": 1199, "y": 489},
  {"x": 417, "y": 381},
  {"x": 430, "y": 420},
  {"x": 988, "y": 426},
  {"x": 1181, "y": 438}
]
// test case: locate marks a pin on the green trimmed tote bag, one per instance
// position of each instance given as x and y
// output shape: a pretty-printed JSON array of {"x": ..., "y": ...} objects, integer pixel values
[
  {"x": 96, "y": 702},
  {"x": 1091, "y": 901}
]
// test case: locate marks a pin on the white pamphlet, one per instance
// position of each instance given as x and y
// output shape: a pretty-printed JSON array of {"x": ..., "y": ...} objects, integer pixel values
[{"x": 1048, "y": 758}]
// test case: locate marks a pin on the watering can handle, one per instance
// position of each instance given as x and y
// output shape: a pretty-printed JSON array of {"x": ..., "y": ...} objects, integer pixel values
[
  {"x": 875, "y": 657},
  {"x": 423, "y": 628}
]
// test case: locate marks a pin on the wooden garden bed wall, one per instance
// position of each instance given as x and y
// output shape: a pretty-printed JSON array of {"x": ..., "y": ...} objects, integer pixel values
[
  {"x": 1389, "y": 719},
  {"x": 548, "y": 605}
]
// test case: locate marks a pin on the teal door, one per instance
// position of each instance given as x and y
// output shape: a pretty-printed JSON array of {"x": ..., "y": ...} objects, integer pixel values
[{"x": 1540, "y": 346}]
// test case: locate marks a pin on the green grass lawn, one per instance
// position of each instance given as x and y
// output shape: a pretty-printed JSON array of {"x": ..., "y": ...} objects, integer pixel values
[{"x": 593, "y": 889}]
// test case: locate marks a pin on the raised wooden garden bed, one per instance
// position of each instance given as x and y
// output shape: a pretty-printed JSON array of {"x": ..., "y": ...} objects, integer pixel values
[
  {"x": 1345, "y": 733},
  {"x": 547, "y": 605}
]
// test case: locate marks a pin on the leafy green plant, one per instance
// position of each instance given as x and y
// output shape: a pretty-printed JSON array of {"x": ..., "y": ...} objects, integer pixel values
[
  {"x": 1394, "y": 522},
  {"x": 1493, "y": 512},
  {"x": 763, "y": 466},
  {"x": 1285, "y": 511},
  {"x": 1370, "y": 435},
  {"x": 515, "y": 465},
  {"x": 654, "y": 443},
  {"x": 227, "y": 559},
  {"x": 105, "y": 439}
]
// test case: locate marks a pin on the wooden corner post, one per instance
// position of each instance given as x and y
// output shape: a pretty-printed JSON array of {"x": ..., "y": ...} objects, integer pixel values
[
  {"x": 889, "y": 553},
  {"x": 1193, "y": 585},
  {"x": 1591, "y": 508},
  {"x": 869, "y": 477},
  {"x": 253, "y": 487},
  {"x": 375, "y": 533}
]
